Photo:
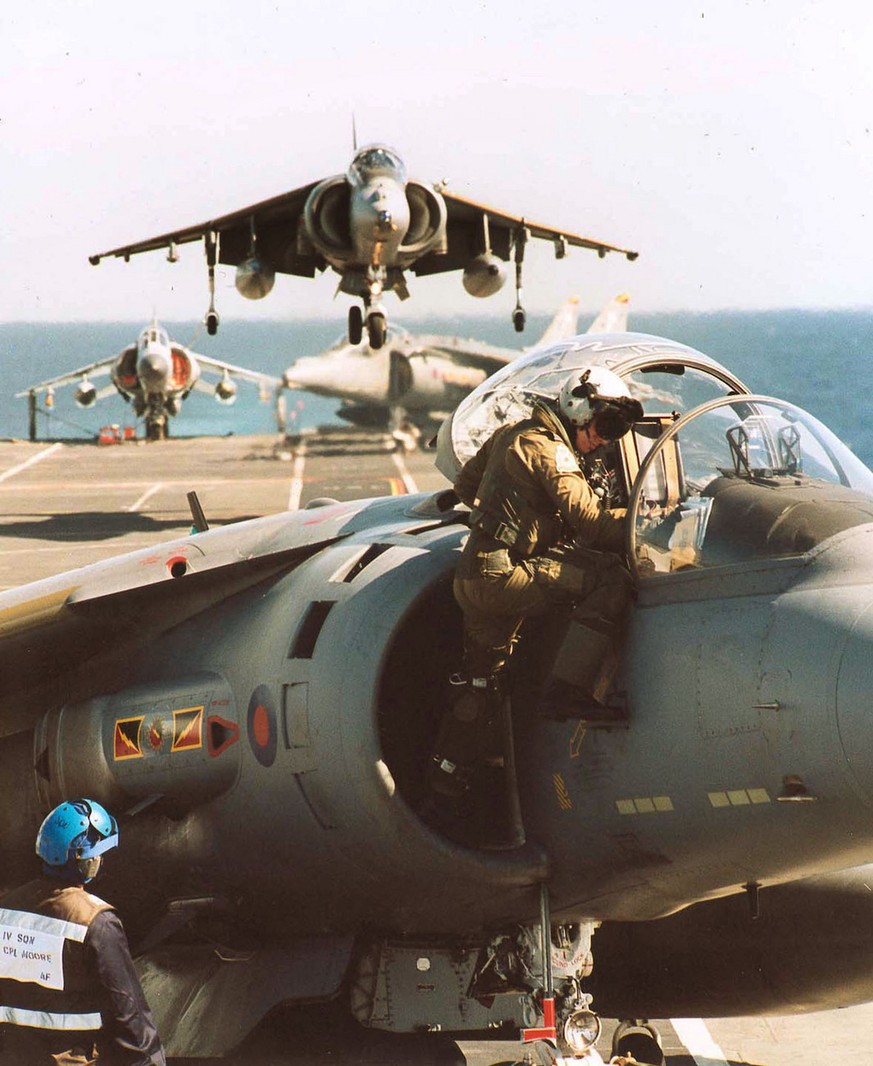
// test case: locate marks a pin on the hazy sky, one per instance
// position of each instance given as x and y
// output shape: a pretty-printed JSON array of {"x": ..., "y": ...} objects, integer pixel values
[{"x": 729, "y": 142}]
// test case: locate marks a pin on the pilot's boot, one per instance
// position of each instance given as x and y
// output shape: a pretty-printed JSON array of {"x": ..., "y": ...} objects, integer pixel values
[
  {"x": 580, "y": 677},
  {"x": 463, "y": 734}
]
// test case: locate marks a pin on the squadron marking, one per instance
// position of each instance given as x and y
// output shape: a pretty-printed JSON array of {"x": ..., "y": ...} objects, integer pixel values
[{"x": 127, "y": 744}]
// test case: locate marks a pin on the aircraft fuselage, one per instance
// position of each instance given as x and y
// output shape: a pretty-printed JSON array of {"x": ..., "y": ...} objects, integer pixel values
[{"x": 309, "y": 751}]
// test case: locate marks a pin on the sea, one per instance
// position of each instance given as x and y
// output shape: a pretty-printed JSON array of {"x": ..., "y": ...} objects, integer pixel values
[{"x": 820, "y": 360}]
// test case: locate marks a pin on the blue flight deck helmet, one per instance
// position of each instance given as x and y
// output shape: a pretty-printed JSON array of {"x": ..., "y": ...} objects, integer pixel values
[{"x": 73, "y": 837}]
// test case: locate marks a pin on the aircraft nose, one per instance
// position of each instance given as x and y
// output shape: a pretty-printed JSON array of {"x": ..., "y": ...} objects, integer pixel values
[
  {"x": 152, "y": 369},
  {"x": 382, "y": 210},
  {"x": 855, "y": 700},
  {"x": 303, "y": 373}
]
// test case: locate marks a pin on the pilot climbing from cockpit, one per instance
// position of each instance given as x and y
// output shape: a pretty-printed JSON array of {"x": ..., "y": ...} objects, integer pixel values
[{"x": 540, "y": 538}]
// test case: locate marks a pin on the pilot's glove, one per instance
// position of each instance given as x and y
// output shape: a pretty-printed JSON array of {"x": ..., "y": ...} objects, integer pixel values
[{"x": 645, "y": 565}]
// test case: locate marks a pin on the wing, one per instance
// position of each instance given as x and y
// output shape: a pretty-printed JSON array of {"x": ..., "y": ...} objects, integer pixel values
[
  {"x": 273, "y": 221},
  {"x": 74, "y": 377},
  {"x": 264, "y": 380},
  {"x": 464, "y": 228},
  {"x": 60, "y": 635}
]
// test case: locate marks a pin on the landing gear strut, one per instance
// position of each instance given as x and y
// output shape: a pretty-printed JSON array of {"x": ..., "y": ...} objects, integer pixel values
[
  {"x": 575, "y": 1030},
  {"x": 156, "y": 429},
  {"x": 370, "y": 286},
  {"x": 518, "y": 316},
  {"x": 210, "y": 239}
]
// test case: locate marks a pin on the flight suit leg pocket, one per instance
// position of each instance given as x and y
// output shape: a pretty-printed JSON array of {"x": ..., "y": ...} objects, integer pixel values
[{"x": 494, "y": 565}]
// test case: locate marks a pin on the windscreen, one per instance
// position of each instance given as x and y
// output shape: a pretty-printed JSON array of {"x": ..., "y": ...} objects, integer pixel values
[{"x": 741, "y": 479}]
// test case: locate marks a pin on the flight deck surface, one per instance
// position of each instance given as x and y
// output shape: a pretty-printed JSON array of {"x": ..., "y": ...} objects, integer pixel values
[{"x": 68, "y": 504}]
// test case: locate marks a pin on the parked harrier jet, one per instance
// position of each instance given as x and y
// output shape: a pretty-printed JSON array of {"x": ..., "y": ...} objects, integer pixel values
[
  {"x": 411, "y": 384},
  {"x": 154, "y": 375},
  {"x": 259, "y": 703},
  {"x": 369, "y": 225}
]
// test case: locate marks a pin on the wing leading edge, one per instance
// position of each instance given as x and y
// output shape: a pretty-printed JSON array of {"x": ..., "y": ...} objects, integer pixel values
[{"x": 280, "y": 213}]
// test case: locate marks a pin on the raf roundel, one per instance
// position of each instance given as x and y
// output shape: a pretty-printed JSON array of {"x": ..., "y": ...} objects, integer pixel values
[{"x": 261, "y": 725}]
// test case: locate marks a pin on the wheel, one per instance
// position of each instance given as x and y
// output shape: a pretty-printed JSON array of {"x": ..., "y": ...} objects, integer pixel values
[
  {"x": 518, "y": 319},
  {"x": 376, "y": 330},
  {"x": 639, "y": 1040},
  {"x": 356, "y": 324},
  {"x": 211, "y": 323}
]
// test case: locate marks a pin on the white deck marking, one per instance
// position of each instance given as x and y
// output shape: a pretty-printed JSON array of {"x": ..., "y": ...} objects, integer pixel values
[
  {"x": 297, "y": 478},
  {"x": 44, "y": 454},
  {"x": 145, "y": 496},
  {"x": 405, "y": 476},
  {"x": 698, "y": 1040}
]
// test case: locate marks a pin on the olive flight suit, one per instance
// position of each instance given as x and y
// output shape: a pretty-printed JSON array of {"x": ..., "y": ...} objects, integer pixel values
[{"x": 539, "y": 537}]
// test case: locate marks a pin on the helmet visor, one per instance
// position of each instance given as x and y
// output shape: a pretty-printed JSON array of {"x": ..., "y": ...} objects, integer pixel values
[
  {"x": 92, "y": 848},
  {"x": 613, "y": 418},
  {"x": 100, "y": 836}
]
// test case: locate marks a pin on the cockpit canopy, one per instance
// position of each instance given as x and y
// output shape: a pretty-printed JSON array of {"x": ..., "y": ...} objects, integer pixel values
[
  {"x": 153, "y": 335},
  {"x": 712, "y": 475},
  {"x": 376, "y": 161},
  {"x": 666, "y": 377}
]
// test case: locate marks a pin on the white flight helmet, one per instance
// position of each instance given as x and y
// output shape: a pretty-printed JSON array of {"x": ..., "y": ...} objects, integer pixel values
[{"x": 583, "y": 394}]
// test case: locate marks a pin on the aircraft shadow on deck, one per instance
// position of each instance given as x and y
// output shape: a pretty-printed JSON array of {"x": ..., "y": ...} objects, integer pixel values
[{"x": 101, "y": 525}]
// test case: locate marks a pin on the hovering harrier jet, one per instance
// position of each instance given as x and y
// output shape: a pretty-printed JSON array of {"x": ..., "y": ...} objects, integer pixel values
[{"x": 369, "y": 225}]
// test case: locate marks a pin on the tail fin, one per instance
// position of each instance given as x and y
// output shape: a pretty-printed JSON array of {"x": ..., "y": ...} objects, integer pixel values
[
  {"x": 564, "y": 325},
  {"x": 613, "y": 317}
]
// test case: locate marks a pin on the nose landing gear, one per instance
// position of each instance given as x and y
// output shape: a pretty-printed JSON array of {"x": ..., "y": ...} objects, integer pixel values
[
  {"x": 370, "y": 285},
  {"x": 377, "y": 325},
  {"x": 377, "y": 328}
]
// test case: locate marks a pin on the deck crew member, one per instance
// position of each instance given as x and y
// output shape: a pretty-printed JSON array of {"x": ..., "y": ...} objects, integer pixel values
[{"x": 69, "y": 994}]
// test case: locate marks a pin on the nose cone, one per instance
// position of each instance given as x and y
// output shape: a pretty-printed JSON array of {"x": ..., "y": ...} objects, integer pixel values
[
  {"x": 309, "y": 373},
  {"x": 353, "y": 373},
  {"x": 153, "y": 369},
  {"x": 855, "y": 700},
  {"x": 380, "y": 212}
]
